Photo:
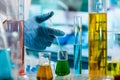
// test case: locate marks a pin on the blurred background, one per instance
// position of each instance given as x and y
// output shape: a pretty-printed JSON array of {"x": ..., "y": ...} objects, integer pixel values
[{"x": 63, "y": 19}]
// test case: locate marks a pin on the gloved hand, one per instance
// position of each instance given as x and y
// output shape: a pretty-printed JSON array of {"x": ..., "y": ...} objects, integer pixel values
[{"x": 37, "y": 36}]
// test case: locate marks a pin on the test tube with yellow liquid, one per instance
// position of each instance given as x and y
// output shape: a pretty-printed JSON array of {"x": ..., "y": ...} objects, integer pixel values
[{"x": 97, "y": 39}]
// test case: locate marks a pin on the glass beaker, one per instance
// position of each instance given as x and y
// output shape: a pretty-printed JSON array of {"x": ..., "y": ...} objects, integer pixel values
[
  {"x": 78, "y": 45},
  {"x": 62, "y": 67},
  {"x": 97, "y": 37},
  {"x": 8, "y": 56},
  {"x": 15, "y": 23},
  {"x": 113, "y": 63},
  {"x": 44, "y": 70}
]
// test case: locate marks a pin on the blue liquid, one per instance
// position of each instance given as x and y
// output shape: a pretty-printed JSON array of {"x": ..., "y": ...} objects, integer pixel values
[
  {"x": 5, "y": 68},
  {"x": 77, "y": 59}
]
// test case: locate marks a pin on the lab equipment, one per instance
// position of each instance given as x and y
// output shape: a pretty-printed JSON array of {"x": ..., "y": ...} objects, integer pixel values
[
  {"x": 8, "y": 55},
  {"x": 78, "y": 45},
  {"x": 31, "y": 63},
  {"x": 15, "y": 23},
  {"x": 97, "y": 38},
  {"x": 41, "y": 34},
  {"x": 44, "y": 70},
  {"x": 113, "y": 63},
  {"x": 62, "y": 67}
]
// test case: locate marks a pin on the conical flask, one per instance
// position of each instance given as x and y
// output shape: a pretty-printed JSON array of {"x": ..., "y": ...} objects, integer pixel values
[
  {"x": 44, "y": 70},
  {"x": 62, "y": 67}
]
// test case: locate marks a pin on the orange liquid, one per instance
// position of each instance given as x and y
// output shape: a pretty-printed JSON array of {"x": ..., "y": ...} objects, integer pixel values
[{"x": 44, "y": 73}]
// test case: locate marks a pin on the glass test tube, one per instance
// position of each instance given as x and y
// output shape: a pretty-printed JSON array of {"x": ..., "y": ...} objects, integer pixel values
[
  {"x": 78, "y": 45},
  {"x": 15, "y": 23},
  {"x": 97, "y": 38}
]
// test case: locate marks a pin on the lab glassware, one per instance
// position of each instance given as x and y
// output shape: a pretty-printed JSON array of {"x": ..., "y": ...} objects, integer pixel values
[
  {"x": 78, "y": 45},
  {"x": 44, "y": 70},
  {"x": 113, "y": 62},
  {"x": 62, "y": 66},
  {"x": 97, "y": 38},
  {"x": 8, "y": 56},
  {"x": 15, "y": 23}
]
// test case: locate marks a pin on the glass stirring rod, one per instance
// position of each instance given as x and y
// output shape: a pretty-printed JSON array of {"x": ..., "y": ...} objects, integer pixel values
[{"x": 58, "y": 42}]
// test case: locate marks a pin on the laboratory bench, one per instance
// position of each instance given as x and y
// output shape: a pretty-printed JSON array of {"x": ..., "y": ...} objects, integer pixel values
[{"x": 71, "y": 76}]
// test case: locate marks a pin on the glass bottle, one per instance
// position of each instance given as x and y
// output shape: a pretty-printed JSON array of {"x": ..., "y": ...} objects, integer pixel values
[
  {"x": 97, "y": 38},
  {"x": 78, "y": 44},
  {"x": 44, "y": 70},
  {"x": 62, "y": 67}
]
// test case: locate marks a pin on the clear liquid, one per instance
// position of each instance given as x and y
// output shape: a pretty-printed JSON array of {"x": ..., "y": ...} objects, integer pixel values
[
  {"x": 5, "y": 66},
  {"x": 44, "y": 73},
  {"x": 113, "y": 68},
  {"x": 62, "y": 68},
  {"x": 18, "y": 26},
  {"x": 97, "y": 44},
  {"x": 77, "y": 59}
]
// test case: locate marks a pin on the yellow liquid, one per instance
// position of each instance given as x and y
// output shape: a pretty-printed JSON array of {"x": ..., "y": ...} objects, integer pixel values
[
  {"x": 97, "y": 44},
  {"x": 44, "y": 73},
  {"x": 113, "y": 68}
]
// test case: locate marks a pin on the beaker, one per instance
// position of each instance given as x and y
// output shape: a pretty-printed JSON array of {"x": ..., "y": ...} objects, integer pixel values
[
  {"x": 97, "y": 37},
  {"x": 44, "y": 70},
  {"x": 15, "y": 23},
  {"x": 78, "y": 44},
  {"x": 113, "y": 63},
  {"x": 62, "y": 67},
  {"x": 8, "y": 56}
]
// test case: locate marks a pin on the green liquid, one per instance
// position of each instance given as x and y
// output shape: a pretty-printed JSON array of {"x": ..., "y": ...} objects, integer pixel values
[{"x": 62, "y": 68}]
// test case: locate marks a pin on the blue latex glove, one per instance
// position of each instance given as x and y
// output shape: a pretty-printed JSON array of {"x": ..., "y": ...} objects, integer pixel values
[{"x": 37, "y": 36}]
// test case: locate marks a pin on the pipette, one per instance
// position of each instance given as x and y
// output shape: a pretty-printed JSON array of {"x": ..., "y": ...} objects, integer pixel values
[{"x": 58, "y": 42}]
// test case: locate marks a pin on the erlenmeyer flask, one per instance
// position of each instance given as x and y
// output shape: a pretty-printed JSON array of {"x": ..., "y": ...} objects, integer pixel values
[
  {"x": 62, "y": 67},
  {"x": 44, "y": 69}
]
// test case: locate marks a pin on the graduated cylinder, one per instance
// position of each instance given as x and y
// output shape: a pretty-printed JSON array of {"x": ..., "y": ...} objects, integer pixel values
[{"x": 97, "y": 38}]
